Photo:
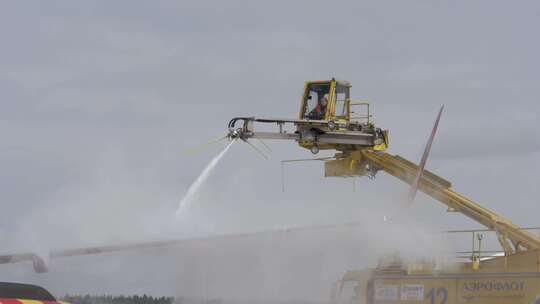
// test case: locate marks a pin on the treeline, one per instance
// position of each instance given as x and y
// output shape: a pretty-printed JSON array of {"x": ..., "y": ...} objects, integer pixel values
[{"x": 144, "y": 299}]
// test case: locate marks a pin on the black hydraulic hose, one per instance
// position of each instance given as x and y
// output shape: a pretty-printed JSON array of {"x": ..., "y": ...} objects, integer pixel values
[{"x": 233, "y": 121}]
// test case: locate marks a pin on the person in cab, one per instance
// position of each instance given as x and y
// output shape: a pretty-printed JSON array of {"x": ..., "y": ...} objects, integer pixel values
[{"x": 319, "y": 112}]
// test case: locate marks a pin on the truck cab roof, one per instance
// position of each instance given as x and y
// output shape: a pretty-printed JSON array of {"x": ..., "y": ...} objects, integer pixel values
[{"x": 19, "y": 291}]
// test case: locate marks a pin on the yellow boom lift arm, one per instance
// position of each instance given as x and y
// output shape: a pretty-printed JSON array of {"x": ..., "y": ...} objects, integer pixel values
[{"x": 510, "y": 236}]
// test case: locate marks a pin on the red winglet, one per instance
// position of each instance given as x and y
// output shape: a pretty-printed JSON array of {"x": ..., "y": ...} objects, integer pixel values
[{"x": 423, "y": 161}]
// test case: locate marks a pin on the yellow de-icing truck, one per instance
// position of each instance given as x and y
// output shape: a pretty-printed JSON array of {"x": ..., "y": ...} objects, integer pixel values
[{"x": 514, "y": 283}]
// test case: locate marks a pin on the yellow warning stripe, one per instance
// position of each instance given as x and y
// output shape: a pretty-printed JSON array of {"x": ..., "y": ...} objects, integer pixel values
[{"x": 30, "y": 301}]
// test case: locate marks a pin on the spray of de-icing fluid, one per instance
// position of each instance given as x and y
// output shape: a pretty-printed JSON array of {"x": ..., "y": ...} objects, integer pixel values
[{"x": 193, "y": 190}]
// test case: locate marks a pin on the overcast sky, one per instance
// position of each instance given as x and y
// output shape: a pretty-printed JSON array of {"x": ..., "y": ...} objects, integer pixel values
[{"x": 100, "y": 99}]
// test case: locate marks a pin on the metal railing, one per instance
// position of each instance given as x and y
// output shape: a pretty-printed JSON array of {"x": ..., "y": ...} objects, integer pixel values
[
  {"x": 366, "y": 118},
  {"x": 477, "y": 236}
]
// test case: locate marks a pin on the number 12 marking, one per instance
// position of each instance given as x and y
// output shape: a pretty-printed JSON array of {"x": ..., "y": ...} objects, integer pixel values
[{"x": 441, "y": 293}]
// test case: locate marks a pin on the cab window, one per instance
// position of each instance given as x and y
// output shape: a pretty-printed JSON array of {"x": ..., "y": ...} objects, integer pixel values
[
  {"x": 315, "y": 92},
  {"x": 342, "y": 95}
]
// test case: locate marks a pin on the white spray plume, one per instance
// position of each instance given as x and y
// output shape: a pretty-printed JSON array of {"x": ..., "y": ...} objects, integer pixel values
[{"x": 193, "y": 190}]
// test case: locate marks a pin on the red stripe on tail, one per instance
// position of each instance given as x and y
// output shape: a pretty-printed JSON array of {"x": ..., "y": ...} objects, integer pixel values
[{"x": 423, "y": 161}]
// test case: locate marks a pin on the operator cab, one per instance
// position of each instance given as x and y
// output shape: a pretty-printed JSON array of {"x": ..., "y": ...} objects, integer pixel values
[
  {"x": 326, "y": 108},
  {"x": 326, "y": 100}
]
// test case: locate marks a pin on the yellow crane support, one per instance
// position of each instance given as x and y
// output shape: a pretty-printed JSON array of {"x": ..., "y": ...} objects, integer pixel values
[{"x": 510, "y": 236}]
